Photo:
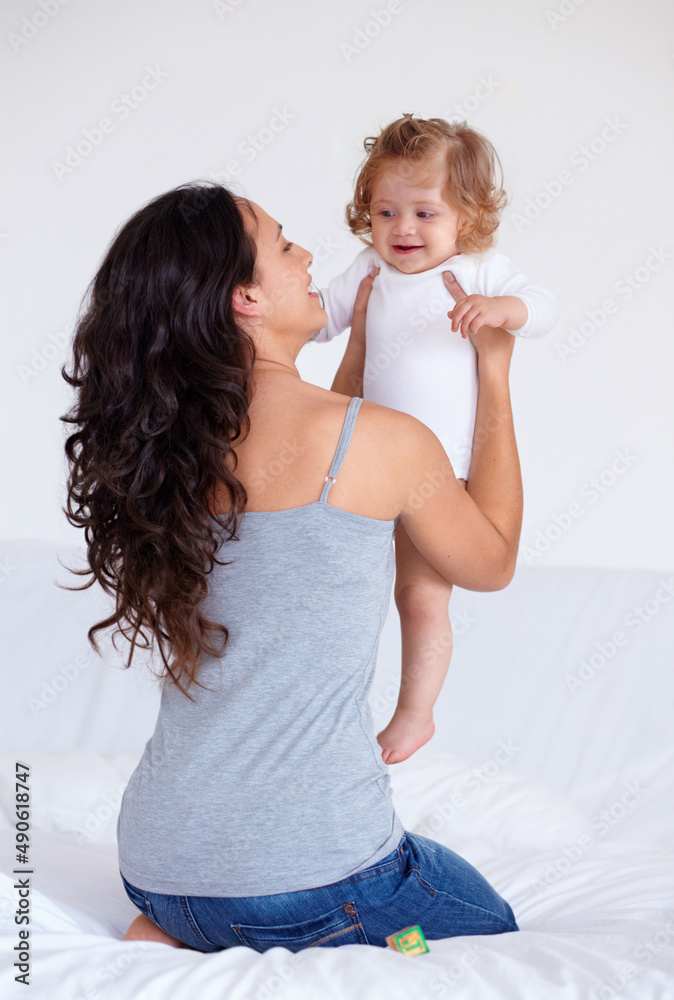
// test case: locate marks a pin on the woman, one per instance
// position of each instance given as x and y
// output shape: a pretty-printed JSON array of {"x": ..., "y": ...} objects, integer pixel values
[{"x": 261, "y": 811}]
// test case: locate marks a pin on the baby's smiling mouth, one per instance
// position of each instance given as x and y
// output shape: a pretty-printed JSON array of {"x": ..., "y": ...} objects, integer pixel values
[{"x": 406, "y": 250}]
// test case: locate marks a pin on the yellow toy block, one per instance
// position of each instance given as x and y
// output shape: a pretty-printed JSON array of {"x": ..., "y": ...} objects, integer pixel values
[{"x": 410, "y": 940}]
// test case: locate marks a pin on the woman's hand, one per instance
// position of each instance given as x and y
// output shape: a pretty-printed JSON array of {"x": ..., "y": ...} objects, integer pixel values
[
  {"x": 349, "y": 378},
  {"x": 490, "y": 344},
  {"x": 360, "y": 308}
]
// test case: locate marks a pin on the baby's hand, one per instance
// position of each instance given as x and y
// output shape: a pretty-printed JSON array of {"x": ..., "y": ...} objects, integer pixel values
[{"x": 482, "y": 310}]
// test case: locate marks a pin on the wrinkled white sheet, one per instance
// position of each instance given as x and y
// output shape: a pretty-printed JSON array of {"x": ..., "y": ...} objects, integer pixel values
[
  {"x": 596, "y": 912},
  {"x": 565, "y": 800}
]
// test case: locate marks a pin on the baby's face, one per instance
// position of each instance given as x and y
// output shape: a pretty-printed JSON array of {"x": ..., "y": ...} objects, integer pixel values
[{"x": 413, "y": 227}]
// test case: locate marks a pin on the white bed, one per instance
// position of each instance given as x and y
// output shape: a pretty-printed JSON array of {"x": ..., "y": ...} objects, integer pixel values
[{"x": 556, "y": 782}]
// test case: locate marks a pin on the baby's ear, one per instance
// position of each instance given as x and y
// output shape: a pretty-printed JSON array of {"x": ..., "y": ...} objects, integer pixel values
[{"x": 466, "y": 227}]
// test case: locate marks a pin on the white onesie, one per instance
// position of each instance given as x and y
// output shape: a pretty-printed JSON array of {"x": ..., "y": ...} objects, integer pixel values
[{"x": 413, "y": 361}]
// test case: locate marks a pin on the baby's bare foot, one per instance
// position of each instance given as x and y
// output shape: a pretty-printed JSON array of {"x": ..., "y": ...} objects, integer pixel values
[{"x": 403, "y": 736}]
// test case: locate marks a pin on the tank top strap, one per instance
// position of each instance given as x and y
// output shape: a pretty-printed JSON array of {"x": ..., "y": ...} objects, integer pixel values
[{"x": 342, "y": 444}]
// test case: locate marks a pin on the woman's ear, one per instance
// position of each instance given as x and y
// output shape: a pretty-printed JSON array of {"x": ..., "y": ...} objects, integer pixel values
[{"x": 245, "y": 301}]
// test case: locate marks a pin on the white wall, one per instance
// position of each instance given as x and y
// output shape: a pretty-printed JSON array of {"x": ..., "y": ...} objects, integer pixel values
[{"x": 553, "y": 84}]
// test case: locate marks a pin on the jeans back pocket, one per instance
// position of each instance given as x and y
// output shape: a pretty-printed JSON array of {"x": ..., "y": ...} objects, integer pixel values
[{"x": 336, "y": 927}]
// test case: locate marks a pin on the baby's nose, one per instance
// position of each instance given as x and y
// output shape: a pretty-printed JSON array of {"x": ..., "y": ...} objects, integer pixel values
[{"x": 406, "y": 225}]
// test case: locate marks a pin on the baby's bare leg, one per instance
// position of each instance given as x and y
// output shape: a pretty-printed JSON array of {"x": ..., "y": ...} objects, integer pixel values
[{"x": 422, "y": 598}]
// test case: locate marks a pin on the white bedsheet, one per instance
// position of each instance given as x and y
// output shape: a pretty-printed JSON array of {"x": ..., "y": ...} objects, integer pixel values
[
  {"x": 563, "y": 797},
  {"x": 596, "y": 912}
]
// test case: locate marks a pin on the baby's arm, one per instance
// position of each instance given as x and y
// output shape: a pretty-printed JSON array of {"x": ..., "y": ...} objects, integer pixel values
[{"x": 504, "y": 298}]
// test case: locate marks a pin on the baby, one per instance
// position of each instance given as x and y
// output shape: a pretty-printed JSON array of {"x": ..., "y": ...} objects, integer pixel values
[{"x": 426, "y": 201}]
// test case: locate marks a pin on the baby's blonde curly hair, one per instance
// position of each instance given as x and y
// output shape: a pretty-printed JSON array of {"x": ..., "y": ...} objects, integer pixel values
[{"x": 471, "y": 187}]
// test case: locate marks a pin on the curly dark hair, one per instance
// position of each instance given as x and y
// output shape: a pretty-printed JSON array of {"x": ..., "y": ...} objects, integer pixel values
[
  {"x": 163, "y": 378},
  {"x": 471, "y": 185}
]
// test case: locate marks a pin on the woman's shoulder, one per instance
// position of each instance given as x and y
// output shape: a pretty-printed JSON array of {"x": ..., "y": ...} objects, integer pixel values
[
  {"x": 389, "y": 420},
  {"x": 385, "y": 436},
  {"x": 385, "y": 446},
  {"x": 394, "y": 440},
  {"x": 376, "y": 419}
]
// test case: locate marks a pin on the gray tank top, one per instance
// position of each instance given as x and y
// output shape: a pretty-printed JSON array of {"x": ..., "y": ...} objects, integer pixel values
[{"x": 272, "y": 781}]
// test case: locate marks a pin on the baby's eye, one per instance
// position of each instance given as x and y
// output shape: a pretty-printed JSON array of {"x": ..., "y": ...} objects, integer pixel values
[
  {"x": 386, "y": 213},
  {"x": 288, "y": 246},
  {"x": 424, "y": 215}
]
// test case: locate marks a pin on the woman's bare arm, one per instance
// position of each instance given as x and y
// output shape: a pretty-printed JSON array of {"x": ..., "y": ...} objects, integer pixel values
[
  {"x": 349, "y": 377},
  {"x": 470, "y": 536}
]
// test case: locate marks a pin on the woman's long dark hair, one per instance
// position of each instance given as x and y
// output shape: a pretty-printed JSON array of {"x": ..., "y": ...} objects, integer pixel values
[{"x": 162, "y": 373}]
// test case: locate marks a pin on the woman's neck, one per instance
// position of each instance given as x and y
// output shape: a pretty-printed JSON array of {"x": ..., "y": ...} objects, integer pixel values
[{"x": 269, "y": 365}]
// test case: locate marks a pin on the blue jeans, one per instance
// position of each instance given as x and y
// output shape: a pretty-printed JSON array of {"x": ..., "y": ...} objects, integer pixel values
[{"x": 420, "y": 882}]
